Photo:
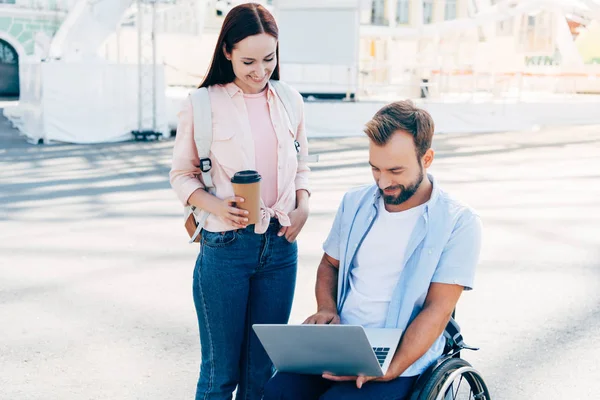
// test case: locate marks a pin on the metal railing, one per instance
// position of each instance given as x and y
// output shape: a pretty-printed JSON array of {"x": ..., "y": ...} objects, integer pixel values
[{"x": 405, "y": 81}]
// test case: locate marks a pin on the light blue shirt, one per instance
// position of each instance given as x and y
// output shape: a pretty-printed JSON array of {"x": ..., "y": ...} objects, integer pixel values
[{"x": 444, "y": 248}]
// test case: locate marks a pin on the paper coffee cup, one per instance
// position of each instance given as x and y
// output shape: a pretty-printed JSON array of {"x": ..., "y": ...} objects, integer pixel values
[{"x": 246, "y": 184}]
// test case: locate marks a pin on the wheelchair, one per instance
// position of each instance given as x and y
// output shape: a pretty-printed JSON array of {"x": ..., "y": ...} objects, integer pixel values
[{"x": 451, "y": 377}]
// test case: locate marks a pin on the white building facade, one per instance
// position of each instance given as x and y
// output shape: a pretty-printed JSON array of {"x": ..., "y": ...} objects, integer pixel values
[{"x": 26, "y": 30}]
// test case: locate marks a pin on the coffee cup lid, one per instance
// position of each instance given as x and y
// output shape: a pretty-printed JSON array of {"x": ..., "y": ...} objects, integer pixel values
[{"x": 246, "y": 177}]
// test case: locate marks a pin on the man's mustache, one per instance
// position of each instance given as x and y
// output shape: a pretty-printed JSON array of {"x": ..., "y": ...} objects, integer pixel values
[{"x": 392, "y": 188}]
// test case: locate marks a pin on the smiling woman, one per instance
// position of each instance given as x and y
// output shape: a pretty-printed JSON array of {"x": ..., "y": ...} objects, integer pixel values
[
  {"x": 9, "y": 70},
  {"x": 247, "y": 50},
  {"x": 245, "y": 272}
]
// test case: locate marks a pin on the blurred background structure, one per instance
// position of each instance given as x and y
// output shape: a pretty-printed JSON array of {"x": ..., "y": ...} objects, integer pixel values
[{"x": 476, "y": 64}]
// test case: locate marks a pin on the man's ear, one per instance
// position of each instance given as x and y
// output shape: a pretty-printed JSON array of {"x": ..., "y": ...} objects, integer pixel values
[{"x": 428, "y": 158}]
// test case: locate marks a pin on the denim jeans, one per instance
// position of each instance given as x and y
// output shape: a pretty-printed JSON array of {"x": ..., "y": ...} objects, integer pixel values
[
  {"x": 240, "y": 279},
  {"x": 285, "y": 386}
]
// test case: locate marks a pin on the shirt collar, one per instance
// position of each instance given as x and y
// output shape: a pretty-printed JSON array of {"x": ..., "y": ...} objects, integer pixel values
[
  {"x": 233, "y": 89},
  {"x": 435, "y": 192}
]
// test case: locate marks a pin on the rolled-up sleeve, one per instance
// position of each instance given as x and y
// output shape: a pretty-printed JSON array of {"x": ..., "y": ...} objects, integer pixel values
[
  {"x": 461, "y": 254},
  {"x": 332, "y": 245},
  {"x": 303, "y": 171},
  {"x": 185, "y": 171}
]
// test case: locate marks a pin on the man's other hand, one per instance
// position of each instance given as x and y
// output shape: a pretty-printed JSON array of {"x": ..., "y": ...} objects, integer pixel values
[
  {"x": 361, "y": 380},
  {"x": 324, "y": 317}
]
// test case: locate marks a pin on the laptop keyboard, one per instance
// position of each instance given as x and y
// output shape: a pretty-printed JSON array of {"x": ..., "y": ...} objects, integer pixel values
[{"x": 381, "y": 353}]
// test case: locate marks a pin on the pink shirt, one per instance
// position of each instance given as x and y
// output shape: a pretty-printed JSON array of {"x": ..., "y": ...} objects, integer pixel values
[
  {"x": 234, "y": 149},
  {"x": 265, "y": 148}
]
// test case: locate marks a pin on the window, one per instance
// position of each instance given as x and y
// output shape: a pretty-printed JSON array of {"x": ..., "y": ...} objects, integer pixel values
[
  {"x": 378, "y": 13},
  {"x": 427, "y": 11},
  {"x": 505, "y": 28},
  {"x": 403, "y": 12},
  {"x": 7, "y": 53},
  {"x": 450, "y": 10}
]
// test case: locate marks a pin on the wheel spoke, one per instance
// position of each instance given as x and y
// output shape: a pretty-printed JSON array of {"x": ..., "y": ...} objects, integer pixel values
[{"x": 458, "y": 388}]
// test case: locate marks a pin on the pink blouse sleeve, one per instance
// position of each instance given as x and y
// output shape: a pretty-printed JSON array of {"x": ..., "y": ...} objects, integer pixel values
[{"x": 185, "y": 171}]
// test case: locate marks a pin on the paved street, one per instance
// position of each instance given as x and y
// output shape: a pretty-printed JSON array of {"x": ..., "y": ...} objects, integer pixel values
[{"x": 95, "y": 268}]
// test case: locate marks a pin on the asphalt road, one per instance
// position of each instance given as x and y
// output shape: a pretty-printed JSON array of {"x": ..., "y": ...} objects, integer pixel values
[{"x": 95, "y": 269}]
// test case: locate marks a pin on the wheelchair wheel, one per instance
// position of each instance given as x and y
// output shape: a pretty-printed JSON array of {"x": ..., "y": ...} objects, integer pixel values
[{"x": 454, "y": 379}]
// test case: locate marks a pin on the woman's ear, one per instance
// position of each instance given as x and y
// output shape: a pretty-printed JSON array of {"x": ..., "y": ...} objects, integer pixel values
[{"x": 227, "y": 54}]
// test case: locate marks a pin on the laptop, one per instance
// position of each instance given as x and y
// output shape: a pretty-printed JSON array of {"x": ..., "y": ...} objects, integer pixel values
[{"x": 342, "y": 350}]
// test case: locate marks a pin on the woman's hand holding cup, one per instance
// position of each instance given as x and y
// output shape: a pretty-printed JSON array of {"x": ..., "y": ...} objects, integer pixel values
[{"x": 233, "y": 215}]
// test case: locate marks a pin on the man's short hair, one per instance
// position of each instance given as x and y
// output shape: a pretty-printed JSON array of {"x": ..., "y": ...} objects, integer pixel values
[{"x": 402, "y": 116}]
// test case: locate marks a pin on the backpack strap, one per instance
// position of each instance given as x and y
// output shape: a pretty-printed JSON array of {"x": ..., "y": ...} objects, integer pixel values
[
  {"x": 285, "y": 94},
  {"x": 203, "y": 137}
]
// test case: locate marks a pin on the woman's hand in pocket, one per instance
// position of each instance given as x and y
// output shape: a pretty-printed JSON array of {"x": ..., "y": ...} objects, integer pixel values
[{"x": 298, "y": 218}]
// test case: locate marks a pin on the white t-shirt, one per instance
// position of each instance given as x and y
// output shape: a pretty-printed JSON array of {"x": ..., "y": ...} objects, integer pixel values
[{"x": 377, "y": 267}]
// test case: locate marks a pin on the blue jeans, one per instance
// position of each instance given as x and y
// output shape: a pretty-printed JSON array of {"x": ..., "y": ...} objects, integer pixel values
[
  {"x": 285, "y": 386},
  {"x": 240, "y": 279}
]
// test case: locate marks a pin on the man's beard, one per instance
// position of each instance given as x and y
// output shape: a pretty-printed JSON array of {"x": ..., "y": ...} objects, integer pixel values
[{"x": 405, "y": 192}]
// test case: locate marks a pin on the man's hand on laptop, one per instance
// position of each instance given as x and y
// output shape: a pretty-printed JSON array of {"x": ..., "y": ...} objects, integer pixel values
[
  {"x": 361, "y": 380},
  {"x": 324, "y": 316}
]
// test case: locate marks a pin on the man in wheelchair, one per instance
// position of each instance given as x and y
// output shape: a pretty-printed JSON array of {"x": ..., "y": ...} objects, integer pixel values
[{"x": 399, "y": 255}]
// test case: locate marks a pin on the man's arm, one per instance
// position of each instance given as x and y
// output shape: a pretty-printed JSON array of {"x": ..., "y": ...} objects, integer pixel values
[
  {"x": 419, "y": 336},
  {"x": 426, "y": 327},
  {"x": 327, "y": 275},
  {"x": 326, "y": 292},
  {"x": 453, "y": 274}
]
